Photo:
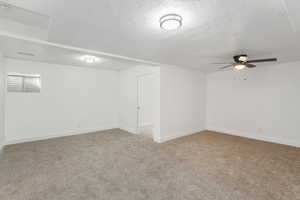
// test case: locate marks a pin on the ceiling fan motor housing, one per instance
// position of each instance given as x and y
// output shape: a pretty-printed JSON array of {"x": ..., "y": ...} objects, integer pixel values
[{"x": 240, "y": 58}]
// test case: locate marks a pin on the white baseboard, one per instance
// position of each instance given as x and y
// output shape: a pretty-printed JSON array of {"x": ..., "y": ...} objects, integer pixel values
[
  {"x": 255, "y": 136},
  {"x": 146, "y": 124},
  {"x": 129, "y": 129},
  {"x": 57, "y": 135},
  {"x": 166, "y": 138}
]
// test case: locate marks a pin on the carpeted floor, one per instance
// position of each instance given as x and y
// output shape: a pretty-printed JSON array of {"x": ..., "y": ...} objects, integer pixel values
[{"x": 116, "y": 165}]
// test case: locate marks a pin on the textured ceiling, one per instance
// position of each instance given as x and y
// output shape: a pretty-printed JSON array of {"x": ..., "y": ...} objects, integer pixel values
[{"x": 213, "y": 30}]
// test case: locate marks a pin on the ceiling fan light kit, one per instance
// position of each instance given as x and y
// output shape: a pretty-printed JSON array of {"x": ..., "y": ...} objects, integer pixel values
[{"x": 239, "y": 66}]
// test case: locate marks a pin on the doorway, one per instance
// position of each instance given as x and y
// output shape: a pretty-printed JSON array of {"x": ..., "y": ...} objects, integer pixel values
[{"x": 146, "y": 104}]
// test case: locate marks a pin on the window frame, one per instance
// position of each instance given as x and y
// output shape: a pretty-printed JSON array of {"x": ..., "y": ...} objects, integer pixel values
[{"x": 23, "y": 89}]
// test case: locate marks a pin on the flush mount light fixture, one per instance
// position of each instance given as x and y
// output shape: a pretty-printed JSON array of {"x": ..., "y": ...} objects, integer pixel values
[
  {"x": 170, "y": 22},
  {"x": 239, "y": 66},
  {"x": 90, "y": 59}
]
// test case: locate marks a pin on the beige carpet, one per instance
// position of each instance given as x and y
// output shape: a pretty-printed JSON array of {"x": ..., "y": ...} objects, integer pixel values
[{"x": 117, "y": 165}]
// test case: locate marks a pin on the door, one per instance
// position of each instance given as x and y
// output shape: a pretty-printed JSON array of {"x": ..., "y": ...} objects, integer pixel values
[{"x": 146, "y": 100}]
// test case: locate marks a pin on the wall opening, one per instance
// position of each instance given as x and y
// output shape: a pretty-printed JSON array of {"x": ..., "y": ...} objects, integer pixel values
[{"x": 146, "y": 104}]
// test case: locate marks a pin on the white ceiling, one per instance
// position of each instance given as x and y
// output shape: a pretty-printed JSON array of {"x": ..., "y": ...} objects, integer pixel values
[
  {"x": 11, "y": 47},
  {"x": 213, "y": 30}
]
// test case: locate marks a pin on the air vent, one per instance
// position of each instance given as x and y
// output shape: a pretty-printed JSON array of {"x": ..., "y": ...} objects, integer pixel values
[
  {"x": 4, "y": 5},
  {"x": 25, "y": 54}
]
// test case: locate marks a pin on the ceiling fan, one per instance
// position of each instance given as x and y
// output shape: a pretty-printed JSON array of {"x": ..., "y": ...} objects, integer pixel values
[{"x": 242, "y": 61}]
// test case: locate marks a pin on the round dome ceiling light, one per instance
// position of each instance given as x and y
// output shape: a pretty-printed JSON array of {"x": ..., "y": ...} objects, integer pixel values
[{"x": 170, "y": 22}]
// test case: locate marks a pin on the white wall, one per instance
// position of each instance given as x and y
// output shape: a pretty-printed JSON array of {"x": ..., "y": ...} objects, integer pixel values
[
  {"x": 262, "y": 103},
  {"x": 2, "y": 108},
  {"x": 182, "y": 102},
  {"x": 129, "y": 97},
  {"x": 72, "y": 100}
]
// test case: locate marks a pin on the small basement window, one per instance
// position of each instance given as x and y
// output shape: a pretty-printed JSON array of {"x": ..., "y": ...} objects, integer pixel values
[{"x": 24, "y": 83}]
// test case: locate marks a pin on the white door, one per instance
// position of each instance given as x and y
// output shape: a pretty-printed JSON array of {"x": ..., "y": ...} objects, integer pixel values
[{"x": 146, "y": 100}]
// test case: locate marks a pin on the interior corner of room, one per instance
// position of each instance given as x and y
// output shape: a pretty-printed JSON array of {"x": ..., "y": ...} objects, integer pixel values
[{"x": 2, "y": 104}]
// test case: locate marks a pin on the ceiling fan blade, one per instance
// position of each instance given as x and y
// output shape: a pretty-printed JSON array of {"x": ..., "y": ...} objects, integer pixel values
[
  {"x": 226, "y": 66},
  {"x": 220, "y": 63},
  {"x": 263, "y": 60},
  {"x": 250, "y": 65}
]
